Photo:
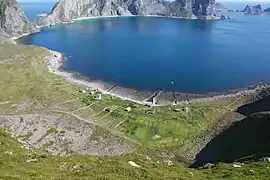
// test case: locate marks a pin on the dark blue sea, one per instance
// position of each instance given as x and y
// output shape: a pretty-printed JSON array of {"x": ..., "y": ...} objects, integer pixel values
[{"x": 170, "y": 54}]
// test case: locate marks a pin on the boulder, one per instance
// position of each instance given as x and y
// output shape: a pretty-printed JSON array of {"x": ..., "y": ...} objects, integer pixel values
[
  {"x": 31, "y": 160},
  {"x": 208, "y": 166},
  {"x": 133, "y": 164},
  {"x": 237, "y": 165},
  {"x": 265, "y": 159},
  {"x": 186, "y": 109},
  {"x": 128, "y": 109}
]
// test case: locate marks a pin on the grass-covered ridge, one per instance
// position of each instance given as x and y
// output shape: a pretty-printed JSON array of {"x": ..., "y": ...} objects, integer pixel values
[{"x": 28, "y": 88}]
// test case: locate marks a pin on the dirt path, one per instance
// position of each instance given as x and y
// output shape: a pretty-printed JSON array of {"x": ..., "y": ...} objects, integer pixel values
[
  {"x": 72, "y": 100},
  {"x": 83, "y": 107},
  {"x": 121, "y": 122},
  {"x": 4, "y": 102},
  {"x": 92, "y": 122}
]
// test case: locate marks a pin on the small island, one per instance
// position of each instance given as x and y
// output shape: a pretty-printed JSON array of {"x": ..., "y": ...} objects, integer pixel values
[
  {"x": 254, "y": 9},
  {"x": 257, "y": 9}
]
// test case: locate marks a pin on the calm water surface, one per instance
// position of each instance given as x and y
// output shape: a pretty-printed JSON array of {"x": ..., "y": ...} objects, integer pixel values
[
  {"x": 151, "y": 53},
  {"x": 32, "y": 9}
]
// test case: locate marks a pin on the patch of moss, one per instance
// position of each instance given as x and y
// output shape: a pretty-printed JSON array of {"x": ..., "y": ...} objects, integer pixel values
[
  {"x": 62, "y": 131},
  {"x": 94, "y": 138},
  {"x": 48, "y": 144},
  {"x": 26, "y": 136},
  {"x": 49, "y": 131},
  {"x": 3, "y": 132}
]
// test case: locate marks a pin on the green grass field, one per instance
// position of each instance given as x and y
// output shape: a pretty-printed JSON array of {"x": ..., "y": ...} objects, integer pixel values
[
  {"x": 27, "y": 81},
  {"x": 27, "y": 87}
]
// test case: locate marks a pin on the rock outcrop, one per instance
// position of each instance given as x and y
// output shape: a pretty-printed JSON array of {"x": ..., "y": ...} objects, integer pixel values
[
  {"x": 13, "y": 21},
  {"x": 67, "y": 10},
  {"x": 220, "y": 8},
  {"x": 267, "y": 10},
  {"x": 257, "y": 9},
  {"x": 64, "y": 136}
]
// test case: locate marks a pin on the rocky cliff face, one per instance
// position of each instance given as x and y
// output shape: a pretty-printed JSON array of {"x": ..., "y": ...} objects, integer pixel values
[
  {"x": 253, "y": 9},
  {"x": 13, "y": 22},
  {"x": 68, "y": 10}
]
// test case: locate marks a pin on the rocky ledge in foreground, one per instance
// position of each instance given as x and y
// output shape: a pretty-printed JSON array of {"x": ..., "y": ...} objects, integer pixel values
[
  {"x": 67, "y": 10},
  {"x": 64, "y": 136}
]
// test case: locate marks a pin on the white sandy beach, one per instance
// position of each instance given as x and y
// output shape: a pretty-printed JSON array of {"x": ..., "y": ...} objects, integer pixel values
[{"x": 55, "y": 61}]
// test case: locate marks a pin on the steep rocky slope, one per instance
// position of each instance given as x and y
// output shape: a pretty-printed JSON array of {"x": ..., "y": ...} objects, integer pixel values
[
  {"x": 64, "y": 136},
  {"x": 67, "y": 10},
  {"x": 13, "y": 22}
]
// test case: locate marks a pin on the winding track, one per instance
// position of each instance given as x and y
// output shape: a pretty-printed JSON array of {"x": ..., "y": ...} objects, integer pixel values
[{"x": 91, "y": 122}]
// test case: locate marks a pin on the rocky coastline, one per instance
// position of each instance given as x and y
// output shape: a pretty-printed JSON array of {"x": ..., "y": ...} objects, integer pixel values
[
  {"x": 160, "y": 98},
  {"x": 66, "y": 11}
]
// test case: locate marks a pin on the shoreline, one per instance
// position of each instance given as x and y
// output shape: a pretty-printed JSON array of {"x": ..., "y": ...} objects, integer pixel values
[
  {"x": 160, "y": 98},
  {"x": 158, "y": 16},
  {"x": 97, "y": 17},
  {"x": 22, "y": 35},
  {"x": 117, "y": 16},
  {"x": 13, "y": 39},
  {"x": 55, "y": 62}
]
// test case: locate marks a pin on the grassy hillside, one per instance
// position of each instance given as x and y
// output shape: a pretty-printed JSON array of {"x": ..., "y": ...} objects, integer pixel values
[
  {"x": 26, "y": 81},
  {"x": 28, "y": 88},
  {"x": 17, "y": 163}
]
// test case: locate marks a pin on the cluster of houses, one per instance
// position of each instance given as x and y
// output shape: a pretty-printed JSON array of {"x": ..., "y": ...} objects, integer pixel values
[{"x": 128, "y": 109}]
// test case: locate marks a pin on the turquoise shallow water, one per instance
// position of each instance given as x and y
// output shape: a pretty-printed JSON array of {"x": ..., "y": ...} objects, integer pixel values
[{"x": 151, "y": 53}]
